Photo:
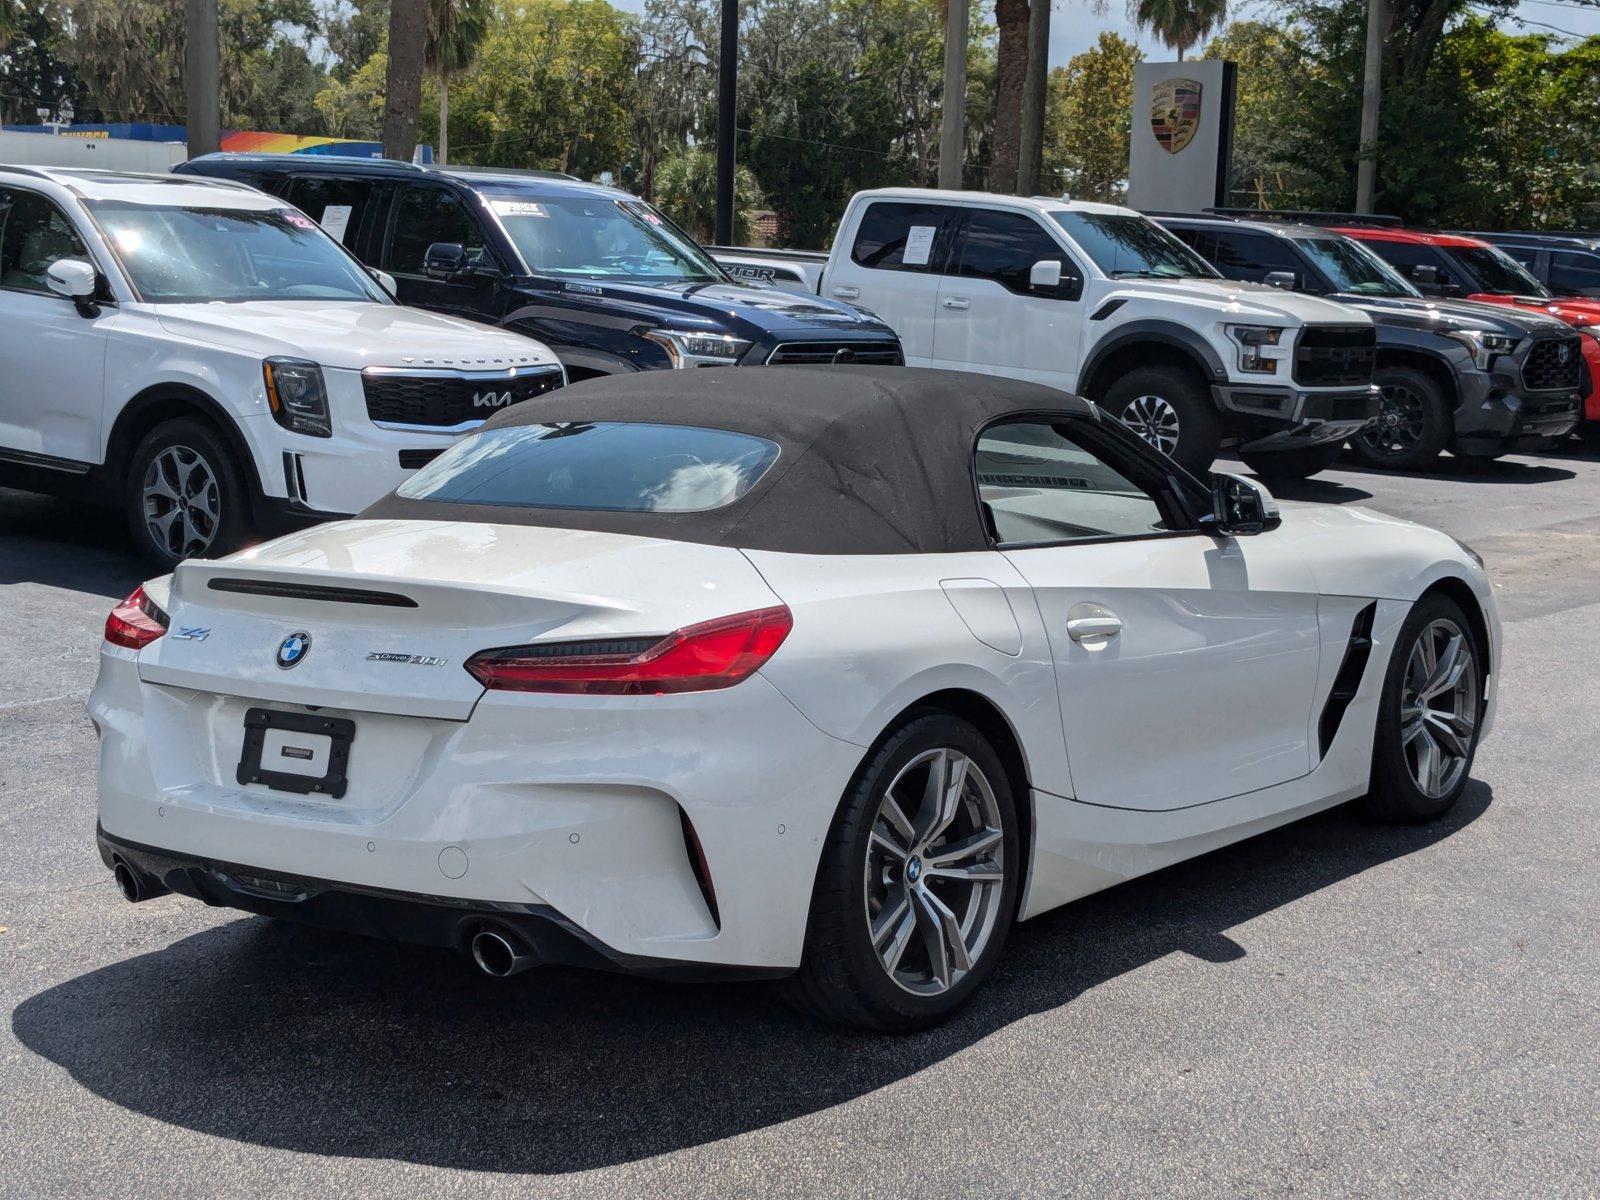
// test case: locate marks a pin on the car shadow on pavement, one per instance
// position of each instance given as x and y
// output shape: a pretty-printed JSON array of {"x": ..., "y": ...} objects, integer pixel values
[
  {"x": 66, "y": 544},
  {"x": 1470, "y": 470},
  {"x": 295, "y": 1039},
  {"x": 1318, "y": 490}
]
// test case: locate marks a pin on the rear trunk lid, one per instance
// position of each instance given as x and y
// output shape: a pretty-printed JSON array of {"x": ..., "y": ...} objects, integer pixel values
[{"x": 381, "y": 616}]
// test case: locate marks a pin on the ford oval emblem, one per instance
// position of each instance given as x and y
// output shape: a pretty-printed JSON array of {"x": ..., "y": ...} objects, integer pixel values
[{"x": 293, "y": 649}]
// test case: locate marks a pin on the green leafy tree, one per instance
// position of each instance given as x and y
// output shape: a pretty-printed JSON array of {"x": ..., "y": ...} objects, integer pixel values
[
  {"x": 35, "y": 71},
  {"x": 1271, "y": 58},
  {"x": 686, "y": 190},
  {"x": 1178, "y": 24},
  {"x": 352, "y": 107},
  {"x": 555, "y": 86},
  {"x": 456, "y": 29},
  {"x": 1087, "y": 123}
]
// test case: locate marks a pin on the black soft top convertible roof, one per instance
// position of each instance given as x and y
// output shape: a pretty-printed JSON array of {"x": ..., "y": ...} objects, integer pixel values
[{"x": 872, "y": 460}]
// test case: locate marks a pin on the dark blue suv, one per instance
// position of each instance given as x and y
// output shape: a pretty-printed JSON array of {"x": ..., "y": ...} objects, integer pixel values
[{"x": 597, "y": 275}]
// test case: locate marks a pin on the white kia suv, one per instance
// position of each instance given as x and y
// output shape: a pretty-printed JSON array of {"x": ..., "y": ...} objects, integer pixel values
[{"x": 208, "y": 357}]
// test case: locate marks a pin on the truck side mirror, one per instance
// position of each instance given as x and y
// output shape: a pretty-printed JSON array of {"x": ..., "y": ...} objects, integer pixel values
[
  {"x": 1425, "y": 276},
  {"x": 1045, "y": 275},
  {"x": 76, "y": 280},
  {"x": 445, "y": 261},
  {"x": 1287, "y": 280}
]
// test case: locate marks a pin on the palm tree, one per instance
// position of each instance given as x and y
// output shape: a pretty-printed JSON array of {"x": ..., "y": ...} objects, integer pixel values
[
  {"x": 686, "y": 189},
  {"x": 1178, "y": 24},
  {"x": 456, "y": 29}
]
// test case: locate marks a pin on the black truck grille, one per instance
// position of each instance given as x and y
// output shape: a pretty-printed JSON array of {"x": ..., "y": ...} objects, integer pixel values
[
  {"x": 1553, "y": 364},
  {"x": 447, "y": 400},
  {"x": 1328, "y": 356},
  {"x": 875, "y": 354}
]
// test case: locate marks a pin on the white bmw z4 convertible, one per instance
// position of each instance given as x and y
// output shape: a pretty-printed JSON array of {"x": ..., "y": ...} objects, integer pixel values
[{"x": 823, "y": 674}]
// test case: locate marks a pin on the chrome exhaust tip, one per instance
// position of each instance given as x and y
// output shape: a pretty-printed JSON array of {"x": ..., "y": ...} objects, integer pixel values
[{"x": 500, "y": 954}]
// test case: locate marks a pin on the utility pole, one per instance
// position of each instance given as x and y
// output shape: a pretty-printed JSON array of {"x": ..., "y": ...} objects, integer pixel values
[
  {"x": 953, "y": 113},
  {"x": 727, "y": 120},
  {"x": 203, "y": 78},
  {"x": 1371, "y": 87},
  {"x": 1030, "y": 150}
]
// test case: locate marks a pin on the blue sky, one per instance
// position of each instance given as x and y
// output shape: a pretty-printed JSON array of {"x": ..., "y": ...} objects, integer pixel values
[{"x": 1074, "y": 24}]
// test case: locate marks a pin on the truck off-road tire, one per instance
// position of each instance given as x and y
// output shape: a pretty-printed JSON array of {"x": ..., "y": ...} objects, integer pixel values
[
  {"x": 917, "y": 885},
  {"x": 1170, "y": 409},
  {"x": 1273, "y": 465},
  {"x": 1430, "y": 715},
  {"x": 185, "y": 494},
  {"x": 1413, "y": 426}
]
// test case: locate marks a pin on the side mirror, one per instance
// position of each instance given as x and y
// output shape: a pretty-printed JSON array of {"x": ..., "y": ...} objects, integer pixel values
[
  {"x": 1287, "y": 280},
  {"x": 385, "y": 281},
  {"x": 76, "y": 280},
  {"x": 445, "y": 261},
  {"x": 1045, "y": 275},
  {"x": 1241, "y": 507}
]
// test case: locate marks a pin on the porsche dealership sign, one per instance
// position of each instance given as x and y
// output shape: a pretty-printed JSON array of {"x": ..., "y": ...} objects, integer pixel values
[{"x": 1181, "y": 135}]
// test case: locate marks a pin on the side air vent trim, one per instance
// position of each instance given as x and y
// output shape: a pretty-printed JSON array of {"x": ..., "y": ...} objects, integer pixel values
[{"x": 1348, "y": 680}]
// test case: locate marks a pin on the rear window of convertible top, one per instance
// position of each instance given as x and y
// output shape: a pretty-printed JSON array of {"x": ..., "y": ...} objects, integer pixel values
[{"x": 607, "y": 466}]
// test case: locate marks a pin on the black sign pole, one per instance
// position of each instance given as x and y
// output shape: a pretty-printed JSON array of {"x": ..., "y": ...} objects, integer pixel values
[{"x": 727, "y": 91}]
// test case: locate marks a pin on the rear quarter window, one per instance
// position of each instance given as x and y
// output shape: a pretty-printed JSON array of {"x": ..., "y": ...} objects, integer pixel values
[{"x": 603, "y": 466}]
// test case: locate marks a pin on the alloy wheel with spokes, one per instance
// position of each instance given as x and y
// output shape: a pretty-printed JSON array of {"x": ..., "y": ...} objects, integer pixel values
[
  {"x": 1154, "y": 419},
  {"x": 1439, "y": 707},
  {"x": 1400, "y": 425},
  {"x": 181, "y": 502},
  {"x": 916, "y": 887},
  {"x": 935, "y": 864}
]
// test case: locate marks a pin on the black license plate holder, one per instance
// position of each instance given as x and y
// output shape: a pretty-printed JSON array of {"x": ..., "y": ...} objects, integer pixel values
[{"x": 340, "y": 732}]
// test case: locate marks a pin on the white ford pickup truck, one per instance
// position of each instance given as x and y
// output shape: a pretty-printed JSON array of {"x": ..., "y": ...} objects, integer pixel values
[{"x": 1100, "y": 301}]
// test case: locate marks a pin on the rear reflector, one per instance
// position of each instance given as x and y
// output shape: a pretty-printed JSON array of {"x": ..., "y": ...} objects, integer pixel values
[
  {"x": 136, "y": 622},
  {"x": 698, "y": 658}
]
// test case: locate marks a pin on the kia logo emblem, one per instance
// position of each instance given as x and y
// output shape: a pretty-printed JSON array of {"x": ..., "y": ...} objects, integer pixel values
[{"x": 490, "y": 399}]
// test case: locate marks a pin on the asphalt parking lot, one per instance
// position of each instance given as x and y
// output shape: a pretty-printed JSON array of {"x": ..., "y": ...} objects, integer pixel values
[{"x": 1334, "y": 1009}]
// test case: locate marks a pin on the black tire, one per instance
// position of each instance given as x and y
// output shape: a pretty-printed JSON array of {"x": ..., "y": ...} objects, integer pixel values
[
  {"x": 1394, "y": 794},
  {"x": 220, "y": 489},
  {"x": 841, "y": 978},
  {"x": 1414, "y": 425},
  {"x": 1199, "y": 425},
  {"x": 1292, "y": 464}
]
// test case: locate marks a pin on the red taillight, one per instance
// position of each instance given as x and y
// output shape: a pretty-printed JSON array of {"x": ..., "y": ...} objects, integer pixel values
[
  {"x": 698, "y": 658},
  {"x": 136, "y": 622}
]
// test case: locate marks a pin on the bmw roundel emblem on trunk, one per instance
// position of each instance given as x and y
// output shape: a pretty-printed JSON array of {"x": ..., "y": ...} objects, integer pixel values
[{"x": 293, "y": 649}]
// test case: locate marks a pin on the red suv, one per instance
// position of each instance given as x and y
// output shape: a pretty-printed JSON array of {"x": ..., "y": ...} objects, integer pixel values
[{"x": 1468, "y": 268}]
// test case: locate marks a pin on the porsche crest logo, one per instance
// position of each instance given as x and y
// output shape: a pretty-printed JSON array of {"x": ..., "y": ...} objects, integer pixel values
[{"x": 1175, "y": 112}]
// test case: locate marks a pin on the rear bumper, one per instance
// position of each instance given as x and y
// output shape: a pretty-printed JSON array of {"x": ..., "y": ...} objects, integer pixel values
[
  {"x": 444, "y": 922},
  {"x": 554, "y": 808}
]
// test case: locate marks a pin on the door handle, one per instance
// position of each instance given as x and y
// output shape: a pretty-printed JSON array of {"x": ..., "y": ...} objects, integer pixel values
[
  {"x": 1092, "y": 624},
  {"x": 847, "y": 293},
  {"x": 957, "y": 303}
]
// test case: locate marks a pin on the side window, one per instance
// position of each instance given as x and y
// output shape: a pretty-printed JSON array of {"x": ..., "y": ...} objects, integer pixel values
[
  {"x": 1407, "y": 258},
  {"x": 33, "y": 234},
  {"x": 1253, "y": 256},
  {"x": 1574, "y": 274},
  {"x": 338, "y": 205},
  {"x": 903, "y": 237},
  {"x": 423, "y": 216},
  {"x": 1200, "y": 242},
  {"x": 1003, "y": 246},
  {"x": 1037, "y": 484}
]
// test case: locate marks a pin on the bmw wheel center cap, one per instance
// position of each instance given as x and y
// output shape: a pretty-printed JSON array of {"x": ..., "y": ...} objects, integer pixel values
[{"x": 293, "y": 649}]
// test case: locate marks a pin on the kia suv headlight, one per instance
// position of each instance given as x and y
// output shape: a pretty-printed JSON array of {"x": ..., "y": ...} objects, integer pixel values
[
  {"x": 297, "y": 396},
  {"x": 1484, "y": 346},
  {"x": 686, "y": 348},
  {"x": 1253, "y": 341}
]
